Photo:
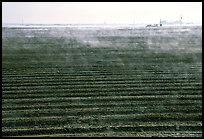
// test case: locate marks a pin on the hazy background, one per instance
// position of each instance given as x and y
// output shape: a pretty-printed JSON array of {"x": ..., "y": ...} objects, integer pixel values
[{"x": 99, "y": 12}]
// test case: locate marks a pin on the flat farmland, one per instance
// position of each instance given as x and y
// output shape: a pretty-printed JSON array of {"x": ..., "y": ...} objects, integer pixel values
[{"x": 139, "y": 82}]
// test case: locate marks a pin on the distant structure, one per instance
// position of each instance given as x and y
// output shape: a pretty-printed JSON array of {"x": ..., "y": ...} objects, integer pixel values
[
  {"x": 165, "y": 22},
  {"x": 181, "y": 19},
  {"x": 152, "y": 25},
  {"x": 155, "y": 25},
  {"x": 160, "y": 23},
  {"x": 176, "y": 22}
]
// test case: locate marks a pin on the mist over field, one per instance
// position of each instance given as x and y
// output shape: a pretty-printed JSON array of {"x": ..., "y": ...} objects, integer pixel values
[{"x": 93, "y": 81}]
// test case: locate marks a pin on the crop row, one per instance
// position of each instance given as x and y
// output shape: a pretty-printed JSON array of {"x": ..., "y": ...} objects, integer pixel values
[
  {"x": 124, "y": 134},
  {"x": 118, "y": 123},
  {"x": 105, "y": 77},
  {"x": 142, "y": 117},
  {"x": 101, "y": 67},
  {"x": 134, "y": 61},
  {"x": 54, "y": 93},
  {"x": 96, "y": 130},
  {"x": 96, "y": 71},
  {"x": 175, "y": 133},
  {"x": 111, "y": 104},
  {"x": 99, "y": 73},
  {"x": 100, "y": 88},
  {"x": 138, "y": 67},
  {"x": 105, "y": 98},
  {"x": 109, "y": 98},
  {"x": 47, "y": 109},
  {"x": 98, "y": 80},
  {"x": 101, "y": 83},
  {"x": 110, "y": 91},
  {"x": 101, "y": 111}
]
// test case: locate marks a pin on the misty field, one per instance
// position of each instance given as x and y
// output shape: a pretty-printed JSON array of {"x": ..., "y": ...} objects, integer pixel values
[{"x": 137, "y": 82}]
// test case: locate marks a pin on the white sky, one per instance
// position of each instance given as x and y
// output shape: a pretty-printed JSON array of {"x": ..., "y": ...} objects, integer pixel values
[{"x": 99, "y": 12}]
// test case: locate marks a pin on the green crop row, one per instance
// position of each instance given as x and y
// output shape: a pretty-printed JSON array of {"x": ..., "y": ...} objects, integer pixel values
[
  {"x": 98, "y": 84},
  {"x": 104, "y": 107},
  {"x": 95, "y": 119},
  {"x": 97, "y": 130},
  {"x": 119, "y": 123},
  {"x": 105, "y": 77},
  {"x": 125, "y": 134},
  {"x": 111, "y": 104},
  {"x": 103, "y": 99},
  {"x": 85, "y": 80},
  {"x": 102, "y": 88},
  {"x": 54, "y": 93},
  {"x": 97, "y": 111},
  {"x": 73, "y": 102}
]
